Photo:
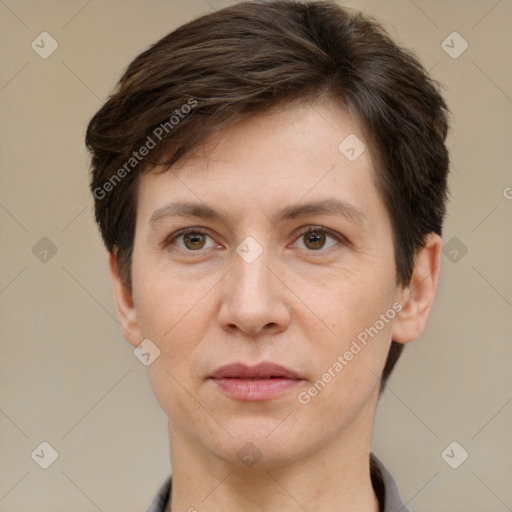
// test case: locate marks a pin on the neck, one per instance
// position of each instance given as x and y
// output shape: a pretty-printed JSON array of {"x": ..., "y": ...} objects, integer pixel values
[{"x": 333, "y": 477}]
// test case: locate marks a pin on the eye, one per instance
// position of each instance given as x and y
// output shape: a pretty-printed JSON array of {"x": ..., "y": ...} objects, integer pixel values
[
  {"x": 316, "y": 238},
  {"x": 191, "y": 239},
  {"x": 312, "y": 238}
]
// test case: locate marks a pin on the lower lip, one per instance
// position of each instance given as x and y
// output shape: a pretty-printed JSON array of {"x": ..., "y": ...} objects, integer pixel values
[{"x": 253, "y": 390}]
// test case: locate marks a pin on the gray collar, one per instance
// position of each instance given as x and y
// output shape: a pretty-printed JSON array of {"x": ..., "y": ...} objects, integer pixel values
[{"x": 382, "y": 480}]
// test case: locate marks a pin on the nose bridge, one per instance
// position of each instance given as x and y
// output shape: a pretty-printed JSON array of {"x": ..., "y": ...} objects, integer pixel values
[
  {"x": 253, "y": 301},
  {"x": 251, "y": 274}
]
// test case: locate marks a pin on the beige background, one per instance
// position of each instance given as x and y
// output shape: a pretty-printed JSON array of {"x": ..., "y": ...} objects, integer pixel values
[{"x": 68, "y": 377}]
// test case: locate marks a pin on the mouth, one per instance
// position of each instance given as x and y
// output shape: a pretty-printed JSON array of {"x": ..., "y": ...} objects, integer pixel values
[
  {"x": 262, "y": 371},
  {"x": 255, "y": 383}
]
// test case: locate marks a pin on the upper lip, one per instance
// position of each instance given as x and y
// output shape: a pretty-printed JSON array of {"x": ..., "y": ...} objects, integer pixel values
[{"x": 263, "y": 370}]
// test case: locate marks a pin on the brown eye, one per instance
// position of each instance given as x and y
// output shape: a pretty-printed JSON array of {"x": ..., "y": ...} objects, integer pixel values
[
  {"x": 194, "y": 241},
  {"x": 314, "y": 240},
  {"x": 190, "y": 240},
  {"x": 318, "y": 238}
]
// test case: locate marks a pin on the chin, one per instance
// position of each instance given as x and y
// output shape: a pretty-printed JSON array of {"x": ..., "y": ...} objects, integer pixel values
[{"x": 258, "y": 443}]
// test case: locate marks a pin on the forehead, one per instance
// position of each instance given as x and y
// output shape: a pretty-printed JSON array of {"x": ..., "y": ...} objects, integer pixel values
[{"x": 267, "y": 163}]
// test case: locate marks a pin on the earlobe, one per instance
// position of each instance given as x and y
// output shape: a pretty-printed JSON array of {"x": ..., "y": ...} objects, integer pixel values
[
  {"x": 125, "y": 307},
  {"x": 417, "y": 298}
]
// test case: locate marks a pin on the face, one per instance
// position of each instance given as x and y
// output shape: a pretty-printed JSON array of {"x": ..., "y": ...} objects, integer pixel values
[{"x": 269, "y": 246}]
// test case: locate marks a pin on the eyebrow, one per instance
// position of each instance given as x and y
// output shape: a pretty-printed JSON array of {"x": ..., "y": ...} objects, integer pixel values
[{"x": 330, "y": 206}]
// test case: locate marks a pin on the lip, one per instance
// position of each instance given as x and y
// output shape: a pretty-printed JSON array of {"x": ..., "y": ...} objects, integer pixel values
[
  {"x": 263, "y": 381},
  {"x": 264, "y": 370}
]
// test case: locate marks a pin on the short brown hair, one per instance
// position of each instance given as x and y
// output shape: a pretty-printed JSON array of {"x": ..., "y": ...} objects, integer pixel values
[{"x": 253, "y": 56}]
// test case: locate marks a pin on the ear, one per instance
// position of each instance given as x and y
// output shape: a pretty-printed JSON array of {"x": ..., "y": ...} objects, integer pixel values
[
  {"x": 417, "y": 298},
  {"x": 124, "y": 304}
]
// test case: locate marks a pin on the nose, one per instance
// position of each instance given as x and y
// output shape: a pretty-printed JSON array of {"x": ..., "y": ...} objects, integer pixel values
[{"x": 254, "y": 299}]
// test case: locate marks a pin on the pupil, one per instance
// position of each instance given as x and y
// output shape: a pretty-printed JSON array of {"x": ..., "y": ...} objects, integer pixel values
[
  {"x": 196, "y": 240},
  {"x": 317, "y": 240}
]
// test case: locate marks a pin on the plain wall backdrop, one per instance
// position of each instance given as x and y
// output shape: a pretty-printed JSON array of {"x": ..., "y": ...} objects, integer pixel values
[{"x": 69, "y": 379}]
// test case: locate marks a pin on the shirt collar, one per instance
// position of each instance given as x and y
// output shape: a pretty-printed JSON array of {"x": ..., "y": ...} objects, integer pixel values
[{"x": 383, "y": 483}]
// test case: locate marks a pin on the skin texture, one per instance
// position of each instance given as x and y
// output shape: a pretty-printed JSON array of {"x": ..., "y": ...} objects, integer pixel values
[{"x": 293, "y": 305}]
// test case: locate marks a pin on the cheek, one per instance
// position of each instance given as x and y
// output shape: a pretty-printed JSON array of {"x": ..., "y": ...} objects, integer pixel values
[
  {"x": 164, "y": 299},
  {"x": 176, "y": 320},
  {"x": 349, "y": 374},
  {"x": 349, "y": 305},
  {"x": 360, "y": 318},
  {"x": 175, "y": 312}
]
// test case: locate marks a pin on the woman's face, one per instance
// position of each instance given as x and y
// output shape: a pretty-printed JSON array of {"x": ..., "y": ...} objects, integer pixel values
[{"x": 287, "y": 259}]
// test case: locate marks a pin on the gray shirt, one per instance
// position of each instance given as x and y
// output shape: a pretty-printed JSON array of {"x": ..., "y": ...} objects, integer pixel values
[{"x": 383, "y": 484}]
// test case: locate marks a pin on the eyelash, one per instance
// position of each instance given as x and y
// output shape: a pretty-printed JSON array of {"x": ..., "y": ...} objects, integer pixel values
[{"x": 303, "y": 231}]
